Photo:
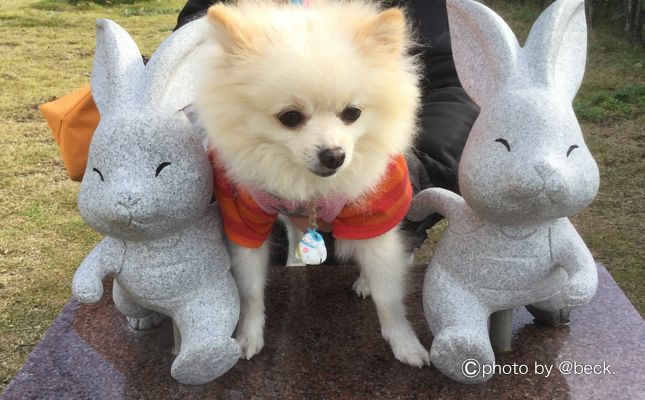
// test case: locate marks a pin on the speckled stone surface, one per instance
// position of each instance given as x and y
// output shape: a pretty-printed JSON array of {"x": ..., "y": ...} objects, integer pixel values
[
  {"x": 147, "y": 187},
  {"x": 323, "y": 342},
  {"x": 525, "y": 168}
]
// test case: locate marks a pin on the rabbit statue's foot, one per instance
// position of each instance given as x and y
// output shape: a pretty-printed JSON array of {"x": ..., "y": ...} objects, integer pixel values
[
  {"x": 461, "y": 354},
  {"x": 144, "y": 323},
  {"x": 201, "y": 362}
]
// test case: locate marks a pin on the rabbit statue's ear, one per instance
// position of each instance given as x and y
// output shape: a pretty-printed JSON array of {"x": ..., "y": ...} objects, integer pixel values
[
  {"x": 483, "y": 46},
  {"x": 174, "y": 68},
  {"x": 198, "y": 127},
  {"x": 118, "y": 67},
  {"x": 557, "y": 46}
]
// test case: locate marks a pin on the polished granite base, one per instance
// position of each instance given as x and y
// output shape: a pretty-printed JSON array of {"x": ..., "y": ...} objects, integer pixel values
[{"x": 323, "y": 342}]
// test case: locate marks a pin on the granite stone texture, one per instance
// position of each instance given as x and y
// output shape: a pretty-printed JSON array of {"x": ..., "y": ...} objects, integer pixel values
[
  {"x": 323, "y": 342},
  {"x": 525, "y": 168},
  {"x": 147, "y": 188}
]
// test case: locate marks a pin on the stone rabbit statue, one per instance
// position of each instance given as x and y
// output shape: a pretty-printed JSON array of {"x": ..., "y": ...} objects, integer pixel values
[
  {"x": 147, "y": 188},
  {"x": 524, "y": 169}
]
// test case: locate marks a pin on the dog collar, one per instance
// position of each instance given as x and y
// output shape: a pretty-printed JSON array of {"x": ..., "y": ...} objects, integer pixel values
[
  {"x": 311, "y": 248},
  {"x": 326, "y": 208}
]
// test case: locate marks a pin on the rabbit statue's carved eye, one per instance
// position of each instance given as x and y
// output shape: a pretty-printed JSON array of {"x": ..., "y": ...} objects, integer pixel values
[
  {"x": 571, "y": 149},
  {"x": 504, "y": 142},
  {"x": 161, "y": 167},
  {"x": 98, "y": 172}
]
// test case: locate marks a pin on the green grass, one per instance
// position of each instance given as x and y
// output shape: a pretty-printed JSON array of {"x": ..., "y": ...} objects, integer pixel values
[
  {"x": 47, "y": 48},
  {"x": 125, "y": 8},
  {"x": 612, "y": 104}
]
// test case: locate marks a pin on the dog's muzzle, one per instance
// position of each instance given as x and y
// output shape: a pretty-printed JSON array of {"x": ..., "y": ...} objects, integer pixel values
[{"x": 332, "y": 158}]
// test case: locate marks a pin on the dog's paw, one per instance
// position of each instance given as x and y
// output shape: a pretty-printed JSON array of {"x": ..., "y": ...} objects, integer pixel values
[
  {"x": 406, "y": 347},
  {"x": 250, "y": 335},
  {"x": 250, "y": 343},
  {"x": 361, "y": 287},
  {"x": 413, "y": 354}
]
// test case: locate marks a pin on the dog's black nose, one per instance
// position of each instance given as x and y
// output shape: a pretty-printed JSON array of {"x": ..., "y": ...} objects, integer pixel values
[{"x": 332, "y": 158}]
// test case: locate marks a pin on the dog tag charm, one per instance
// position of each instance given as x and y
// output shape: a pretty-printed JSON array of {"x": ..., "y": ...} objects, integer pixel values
[{"x": 311, "y": 249}]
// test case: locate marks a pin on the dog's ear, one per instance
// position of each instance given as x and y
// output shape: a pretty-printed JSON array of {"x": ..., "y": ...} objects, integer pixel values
[
  {"x": 384, "y": 34},
  {"x": 198, "y": 128},
  {"x": 230, "y": 28}
]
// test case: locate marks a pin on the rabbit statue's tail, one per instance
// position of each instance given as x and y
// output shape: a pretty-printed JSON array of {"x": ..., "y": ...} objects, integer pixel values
[{"x": 434, "y": 200}]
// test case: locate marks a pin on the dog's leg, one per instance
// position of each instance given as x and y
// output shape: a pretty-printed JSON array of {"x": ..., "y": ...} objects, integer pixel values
[
  {"x": 294, "y": 234},
  {"x": 361, "y": 286},
  {"x": 249, "y": 267},
  {"x": 383, "y": 264}
]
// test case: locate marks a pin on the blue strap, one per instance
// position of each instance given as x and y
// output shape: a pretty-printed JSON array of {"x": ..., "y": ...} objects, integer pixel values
[{"x": 315, "y": 235}]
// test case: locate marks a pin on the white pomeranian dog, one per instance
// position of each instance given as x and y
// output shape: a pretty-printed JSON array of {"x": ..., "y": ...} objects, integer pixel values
[{"x": 310, "y": 109}]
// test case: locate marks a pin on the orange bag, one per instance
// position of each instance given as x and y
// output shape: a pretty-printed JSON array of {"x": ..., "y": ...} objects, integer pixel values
[{"x": 72, "y": 120}]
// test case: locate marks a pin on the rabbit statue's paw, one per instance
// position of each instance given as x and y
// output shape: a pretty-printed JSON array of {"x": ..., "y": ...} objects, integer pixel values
[
  {"x": 87, "y": 289},
  {"x": 578, "y": 291}
]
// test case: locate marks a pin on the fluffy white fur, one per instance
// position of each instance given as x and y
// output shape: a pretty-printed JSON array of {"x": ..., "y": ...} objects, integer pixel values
[{"x": 318, "y": 60}]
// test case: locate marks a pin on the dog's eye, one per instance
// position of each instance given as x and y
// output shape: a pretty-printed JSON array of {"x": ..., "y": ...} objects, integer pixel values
[
  {"x": 571, "y": 149},
  {"x": 161, "y": 167},
  {"x": 504, "y": 142},
  {"x": 291, "y": 119},
  {"x": 98, "y": 172},
  {"x": 350, "y": 114}
]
